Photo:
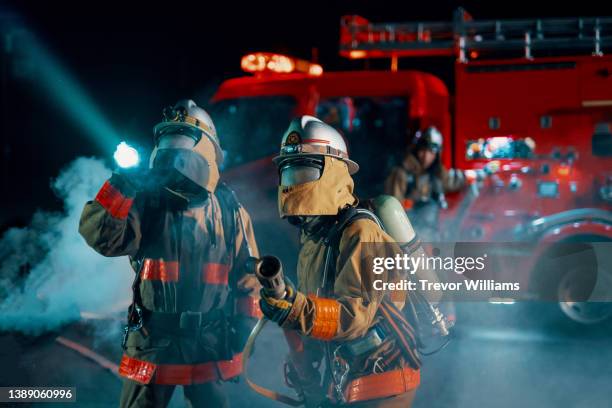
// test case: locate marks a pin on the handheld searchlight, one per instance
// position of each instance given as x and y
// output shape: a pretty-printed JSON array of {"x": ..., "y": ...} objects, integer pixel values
[{"x": 126, "y": 156}]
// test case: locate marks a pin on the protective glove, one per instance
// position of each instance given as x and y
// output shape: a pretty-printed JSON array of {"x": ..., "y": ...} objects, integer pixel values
[
  {"x": 277, "y": 310},
  {"x": 131, "y": 181}
]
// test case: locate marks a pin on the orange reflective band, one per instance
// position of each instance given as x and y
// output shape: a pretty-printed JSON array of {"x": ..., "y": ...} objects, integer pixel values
[
  {"x": 184, "y": 374},
  {"x": 113, "y": 201},
  {"x": 158, "y": 269},
  {"x": 382, "y": 385},
  {"x": 168, "y": 271},
  {"x": 230, "y": 368},
  {"x": 249, "y": 306},
  {"x": 215, "y": 274},
  {"x": 326, "y": 317},
  {"x": 179, "y": 374},
  {"x": 136, "y": 370}
]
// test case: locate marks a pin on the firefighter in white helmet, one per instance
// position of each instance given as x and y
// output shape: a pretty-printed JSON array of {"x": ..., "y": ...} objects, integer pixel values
[
  {"x": 333, "y": 313},
  {"x": 188, "y": 240}
]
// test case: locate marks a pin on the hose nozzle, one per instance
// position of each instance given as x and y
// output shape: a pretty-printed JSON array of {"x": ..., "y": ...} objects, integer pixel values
[{"x": 269, "y": 272}]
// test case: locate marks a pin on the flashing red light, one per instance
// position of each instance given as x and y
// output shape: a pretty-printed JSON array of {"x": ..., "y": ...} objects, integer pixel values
[
  {"x": 315, "y": 70},
  {"x": 357, "y": 54},
  {"x": 563, "y": 170},
  {"x": 266, "y": 62}
]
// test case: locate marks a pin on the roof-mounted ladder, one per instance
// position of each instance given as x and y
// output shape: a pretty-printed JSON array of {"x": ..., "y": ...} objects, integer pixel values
[{"x": 466, "y": 38}]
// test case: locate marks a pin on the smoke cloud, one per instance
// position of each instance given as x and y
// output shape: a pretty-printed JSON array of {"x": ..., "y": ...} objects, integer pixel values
[{"x": 48, "y": 275}]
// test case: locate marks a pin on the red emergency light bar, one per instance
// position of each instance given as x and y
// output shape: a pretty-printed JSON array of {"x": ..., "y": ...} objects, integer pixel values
[
  {"x": 359, "y": 38},
  {"x": 267, "y": 62}
]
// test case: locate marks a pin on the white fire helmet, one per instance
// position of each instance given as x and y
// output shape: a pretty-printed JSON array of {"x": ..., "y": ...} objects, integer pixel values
[
  {"x": 187, "y": 118},
  {"x": 430, "y": 138},
  {"x": 308, "y": 138}
]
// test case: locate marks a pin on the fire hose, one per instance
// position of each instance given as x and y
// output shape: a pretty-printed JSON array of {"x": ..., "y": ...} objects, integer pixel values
[
  {"x": 274, "y": 395},
  {"x": 269, "y": 272}
]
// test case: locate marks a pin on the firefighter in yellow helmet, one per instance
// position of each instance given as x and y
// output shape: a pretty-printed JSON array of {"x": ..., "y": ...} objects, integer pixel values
[
  {"x": 420, "y": 182},
  {"x": 188, "y": 240},
  {"x": 333, "y": 314}
]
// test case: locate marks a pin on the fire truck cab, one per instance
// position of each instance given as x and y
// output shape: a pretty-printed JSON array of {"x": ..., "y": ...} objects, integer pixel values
[
  {"x": 532, "y": 100},
  {"x": 376, "y": 111}
]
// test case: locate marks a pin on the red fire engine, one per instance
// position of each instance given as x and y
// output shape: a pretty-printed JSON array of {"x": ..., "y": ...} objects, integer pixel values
[{"x": 532, "y": 100}]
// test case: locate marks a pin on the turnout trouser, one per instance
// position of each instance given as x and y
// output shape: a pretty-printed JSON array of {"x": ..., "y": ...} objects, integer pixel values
[{"x": 136, "y": 395}]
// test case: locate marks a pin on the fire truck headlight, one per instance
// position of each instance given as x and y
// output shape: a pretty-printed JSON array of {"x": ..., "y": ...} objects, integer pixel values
[
  {"x": 126, "y": 156},
  {"x": 515, "y": 183}
]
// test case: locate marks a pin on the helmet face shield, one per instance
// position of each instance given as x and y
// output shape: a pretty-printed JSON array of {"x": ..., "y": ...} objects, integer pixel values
[
  {"x": 300, "y": 170},
  {"x": 175, "y": 141},
  {"x": 174, "y": 165},
  {"x": 435, "y": 148}
]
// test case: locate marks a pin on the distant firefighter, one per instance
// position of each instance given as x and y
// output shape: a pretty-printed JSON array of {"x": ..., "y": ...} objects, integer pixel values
[
  {"x": 420, "y": 182},
  {"x": 188, "y": 240},
  {"x": 332, "y": 314}
]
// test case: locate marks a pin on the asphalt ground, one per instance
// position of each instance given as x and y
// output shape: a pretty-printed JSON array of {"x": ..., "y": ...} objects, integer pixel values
[{"x": 525, "y": 355}]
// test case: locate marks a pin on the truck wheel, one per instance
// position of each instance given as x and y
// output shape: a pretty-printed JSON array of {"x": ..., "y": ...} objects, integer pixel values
[
  {"x": 567, "y": 275},
  {"x": 580, "y": 312}
]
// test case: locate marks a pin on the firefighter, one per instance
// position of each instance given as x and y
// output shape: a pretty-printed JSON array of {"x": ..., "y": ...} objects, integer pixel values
[
  {"x": 333, "y": 314},
  {"x": 421, "y": 182},
  {"x": 188, "y": 240}
]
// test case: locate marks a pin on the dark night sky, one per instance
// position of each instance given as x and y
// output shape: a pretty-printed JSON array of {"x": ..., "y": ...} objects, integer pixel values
[{"x": 134, "y": 58}]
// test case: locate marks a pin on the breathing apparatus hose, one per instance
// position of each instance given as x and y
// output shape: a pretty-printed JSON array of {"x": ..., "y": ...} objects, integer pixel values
[{"x": 420, "y": 305}]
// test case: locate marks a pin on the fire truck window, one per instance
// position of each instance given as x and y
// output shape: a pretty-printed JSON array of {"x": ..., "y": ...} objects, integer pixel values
[
  {"x": 376, "y": 130},
  {"x": 500, "y": 147},
  {"x": 251, "y": 128},
  {"x": 494, "y": 123},
  {"x": 545, "y": 122},
  {"x": 602, "y": 140}
]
